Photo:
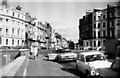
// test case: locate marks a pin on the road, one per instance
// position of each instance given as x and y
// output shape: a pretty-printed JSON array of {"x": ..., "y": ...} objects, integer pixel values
[{"x": 42, "y": 67}]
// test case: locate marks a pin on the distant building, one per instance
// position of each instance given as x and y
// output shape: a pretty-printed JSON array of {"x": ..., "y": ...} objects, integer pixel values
[
  {"x": 42, "y": 34},
  {"x": 29, "y": 30},
  {"x": 49, "y": 35}
]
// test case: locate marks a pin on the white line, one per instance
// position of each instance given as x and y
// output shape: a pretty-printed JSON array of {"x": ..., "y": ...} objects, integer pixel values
[
  {"x": 25, "y": 70},
  {"x": 24, "y": 74}
]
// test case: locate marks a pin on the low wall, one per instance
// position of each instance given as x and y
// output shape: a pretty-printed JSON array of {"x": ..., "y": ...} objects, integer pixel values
[{"x": 8, "y": 55}]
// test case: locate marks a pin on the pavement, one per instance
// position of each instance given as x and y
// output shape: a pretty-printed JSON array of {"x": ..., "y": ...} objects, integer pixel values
[
  {"x": 42, "y": 67},
  {"x": 11, "y": 68}
]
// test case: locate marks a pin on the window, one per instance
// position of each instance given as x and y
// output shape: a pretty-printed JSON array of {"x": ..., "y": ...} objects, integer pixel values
[
  {"x": 94, "y": 43},
  {"x": 0, "y": 30},
  {"x": 111, "y": 14},
  {"x": 112, "y": 23},
  {"x": 13, "y": 13},
  {"x": 1, "y": 19},
  {"x": 87, "y": 44},
  {"x": 18, "y": 32},
  {"x": 94, "y": 34},
  {"x": 103, "y": 16},
  {"x": 6, "y": 41},
  {"x": 18, "y": 23},
  {"x": 94, "y": 25},
  {"x": 90, "y": 58},
  {"x": 104, "y": 33},
  {"x": 13, "y": 21},
  {"x": 104, "y": 41},
  {"x": 12, "y": 31},
  {"x": 18, "y": 42},
  {"x": 7, "y": 11},
  {"x": 112, "y": 33},
  {"x": 98, "y": 34},
  {"x": 98, "y": 17},
  {"x": 104, "y": 24},
  {"x": 22, "y": 33},
  {"x": 94, "y": 17},
  {"x": 6, "y": 31},
  {"x": 118, "y": 34},
  {"x": 98, "y": 43},
  {"x": 13, "y": 42},
  {"x": 6, "y": 20},
  {"x": 22, "y": 41},
  {"x": 18, "y": 15},
  {"x": 1, "y": 10},
  {"x": 0, "y": 40},
  {"x": 98, "y": 25}
]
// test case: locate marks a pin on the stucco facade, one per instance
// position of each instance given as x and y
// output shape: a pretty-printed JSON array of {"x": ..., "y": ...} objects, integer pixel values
[{"x": 12, "y": 26}]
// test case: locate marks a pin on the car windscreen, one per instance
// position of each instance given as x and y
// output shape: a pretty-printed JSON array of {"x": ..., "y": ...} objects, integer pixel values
[{"x": 90, "y": 58}]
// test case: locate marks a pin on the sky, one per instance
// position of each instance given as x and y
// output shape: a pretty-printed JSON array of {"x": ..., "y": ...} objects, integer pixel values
[{"x": 63, "y": 15}]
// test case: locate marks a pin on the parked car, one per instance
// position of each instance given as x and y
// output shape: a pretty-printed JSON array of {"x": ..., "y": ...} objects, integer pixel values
[
  {"x": 52, "y": 56},
  {"x": 20, "y": 47},
  {"x": 89, "y": 62},
  {"x": 66, "y": 55},
  {"x": 113, "y": 71},
  {"x": 6, "y": 47}
]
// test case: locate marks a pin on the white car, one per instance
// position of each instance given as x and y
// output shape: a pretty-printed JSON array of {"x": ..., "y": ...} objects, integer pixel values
[
  {"x": 52, "y": 56},
  {"x": 66, "y": 55},
  {"x": 90, "y": 62}
]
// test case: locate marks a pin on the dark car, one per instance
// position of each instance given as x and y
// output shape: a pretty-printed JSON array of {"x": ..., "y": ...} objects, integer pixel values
[
  {"x": 113, "y": 71},
  {"x": 6, "y": 47}
]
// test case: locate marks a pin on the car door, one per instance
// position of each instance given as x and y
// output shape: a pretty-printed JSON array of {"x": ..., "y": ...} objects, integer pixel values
[{"x": 81, "y": 63}]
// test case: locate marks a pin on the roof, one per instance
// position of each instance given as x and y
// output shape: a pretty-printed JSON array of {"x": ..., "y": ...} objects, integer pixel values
[{"x": 91, "y": 53}]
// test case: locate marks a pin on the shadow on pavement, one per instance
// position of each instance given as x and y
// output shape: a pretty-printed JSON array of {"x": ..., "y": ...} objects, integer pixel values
[
  {"x": 68, "y": 67},
  {"x": 74, "y": 72}
]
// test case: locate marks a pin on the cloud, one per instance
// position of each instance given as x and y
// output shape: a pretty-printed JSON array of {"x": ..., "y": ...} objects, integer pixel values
[{"x": 70, "y": 33}]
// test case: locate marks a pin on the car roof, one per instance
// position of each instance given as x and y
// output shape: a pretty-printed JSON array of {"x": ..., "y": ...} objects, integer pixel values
[{"x": 90, "y": 53}]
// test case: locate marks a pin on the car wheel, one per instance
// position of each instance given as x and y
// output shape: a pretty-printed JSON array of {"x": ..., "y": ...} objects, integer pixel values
[{"x": 87, "y": 74}]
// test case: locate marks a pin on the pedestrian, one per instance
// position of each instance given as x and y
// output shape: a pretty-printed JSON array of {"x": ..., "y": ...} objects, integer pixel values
[
  {"x": 35, "y": 51},
  {"x": 31, "y": 50}
]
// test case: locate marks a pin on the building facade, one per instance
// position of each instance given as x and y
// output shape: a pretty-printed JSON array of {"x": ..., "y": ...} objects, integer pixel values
[
  {"x": 49, "y": 35},
  {"x": 105, "y": 25},
  {"x": 42, "y": 34},
  {"x": 12, "y": 26},
  {"x": 113, "y": 21},
  {"x": 86, "y": 31},
  {"x": 97, "y": 29}
]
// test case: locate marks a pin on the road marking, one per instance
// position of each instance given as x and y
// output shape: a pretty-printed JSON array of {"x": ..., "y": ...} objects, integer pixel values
[
  {"x": 25, "y": 70},
  {"x": 24, "y": 74}
]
